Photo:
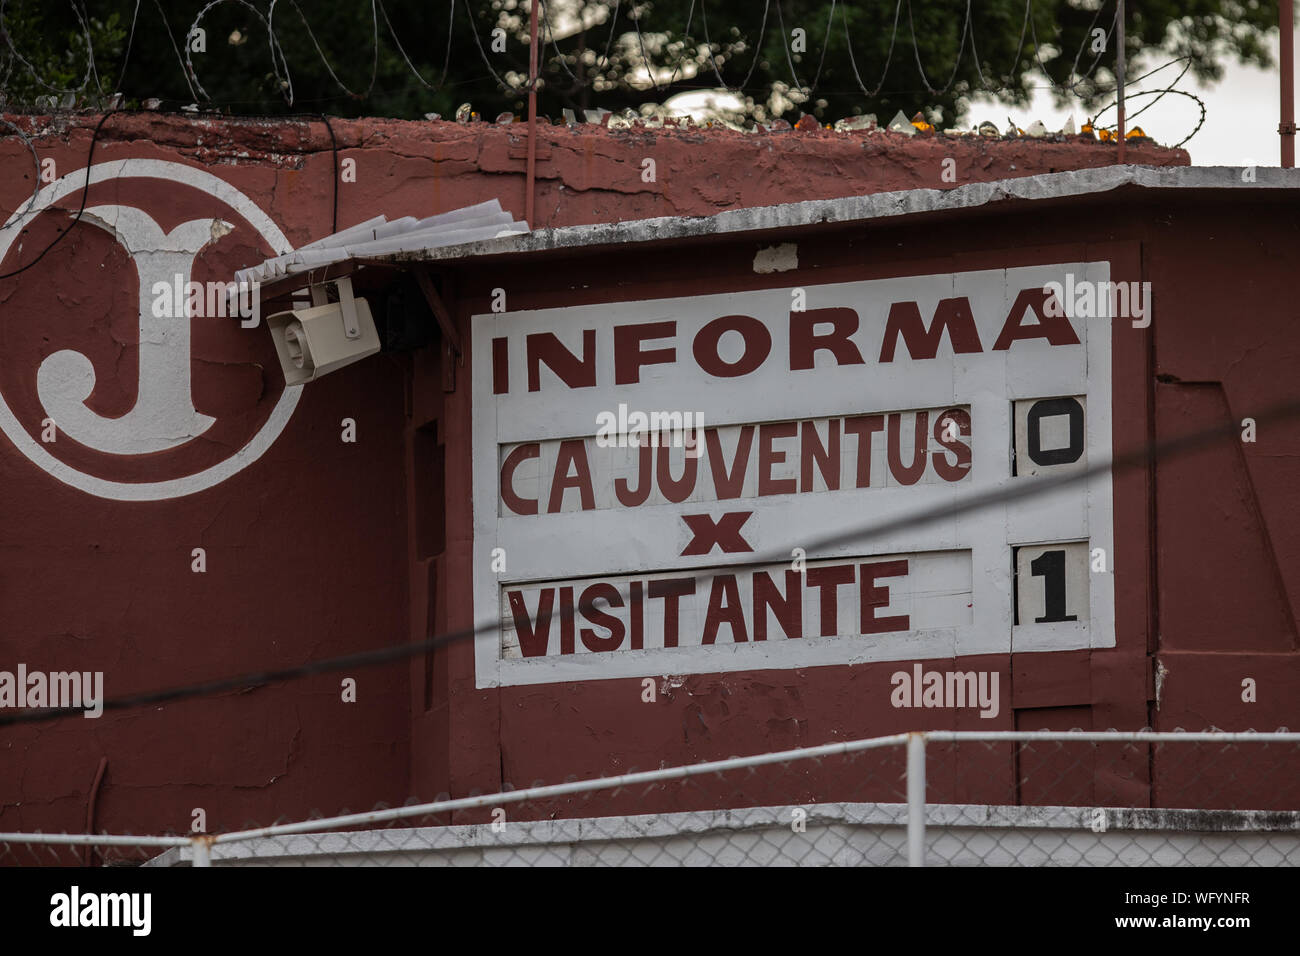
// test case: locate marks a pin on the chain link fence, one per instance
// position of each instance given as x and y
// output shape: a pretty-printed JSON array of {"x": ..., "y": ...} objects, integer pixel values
[{"x": 937, "y": 798}]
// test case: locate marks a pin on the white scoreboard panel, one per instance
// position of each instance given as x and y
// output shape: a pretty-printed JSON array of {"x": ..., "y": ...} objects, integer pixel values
[{"x": 782, "y": 418}]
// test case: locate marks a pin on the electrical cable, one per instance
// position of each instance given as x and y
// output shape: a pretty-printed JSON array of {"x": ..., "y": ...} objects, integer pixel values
[
  {"x": 94, "y": 137},
  {"x": 1015, "y": 491}
]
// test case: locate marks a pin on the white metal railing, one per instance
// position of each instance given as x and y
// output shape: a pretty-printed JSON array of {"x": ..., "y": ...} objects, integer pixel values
[{"x": 915, "y": 743}]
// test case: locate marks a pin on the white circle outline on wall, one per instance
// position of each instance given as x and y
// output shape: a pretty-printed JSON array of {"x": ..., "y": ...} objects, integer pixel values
[{"x": 271, "y": 428}]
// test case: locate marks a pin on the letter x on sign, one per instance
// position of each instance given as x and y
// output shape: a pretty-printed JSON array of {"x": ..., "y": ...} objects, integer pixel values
[{"x": 724, "y": 532}]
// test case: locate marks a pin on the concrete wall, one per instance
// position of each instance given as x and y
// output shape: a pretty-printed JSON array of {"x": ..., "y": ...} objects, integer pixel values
[
  {"x": 321, "y": 547},
  {"x": 585, "y": 174}
]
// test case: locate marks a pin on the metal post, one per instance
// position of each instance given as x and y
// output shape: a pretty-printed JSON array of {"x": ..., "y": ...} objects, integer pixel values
[
  {"x": 532, "y": 116},
  {"x": 202, "y": 850},
  {"x": 1119, "y": 79},
  {"x": 1286, "y": 67},
  {"x": 916, "y": 799}
]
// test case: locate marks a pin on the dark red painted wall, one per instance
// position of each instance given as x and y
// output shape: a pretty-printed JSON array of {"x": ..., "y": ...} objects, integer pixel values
[
  {"x": 322, "y": 548},
  {"x": 1202, "y": 596}
]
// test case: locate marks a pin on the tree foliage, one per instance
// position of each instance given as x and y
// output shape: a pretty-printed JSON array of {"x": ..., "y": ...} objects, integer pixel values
[{"x": 402, "y": 58}]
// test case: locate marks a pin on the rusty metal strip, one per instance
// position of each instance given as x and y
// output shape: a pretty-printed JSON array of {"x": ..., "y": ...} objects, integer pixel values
[{"x": 439, "y": 309}]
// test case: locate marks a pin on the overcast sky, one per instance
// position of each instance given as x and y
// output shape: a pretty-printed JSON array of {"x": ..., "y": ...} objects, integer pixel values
[{"x": 1241, "y": 115}]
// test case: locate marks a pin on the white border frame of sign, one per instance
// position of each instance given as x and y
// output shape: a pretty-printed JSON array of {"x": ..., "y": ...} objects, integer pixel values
[{"x": 610, "y": 543}]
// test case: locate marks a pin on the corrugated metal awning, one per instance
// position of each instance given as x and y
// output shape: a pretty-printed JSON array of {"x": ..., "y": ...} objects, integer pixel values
[{"x": 377, "y": 238}]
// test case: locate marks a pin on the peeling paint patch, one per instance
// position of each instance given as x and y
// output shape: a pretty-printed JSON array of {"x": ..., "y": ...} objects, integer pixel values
[
  {"x": 780, "y": 258},
  {"x": 220, "y": 228},
  {"x": 1161, "y": 673},
  {"x": 671, "y": 682}
]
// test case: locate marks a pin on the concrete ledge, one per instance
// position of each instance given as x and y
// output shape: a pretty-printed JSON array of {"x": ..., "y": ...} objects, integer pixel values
[{"x": 878, "y": 206}]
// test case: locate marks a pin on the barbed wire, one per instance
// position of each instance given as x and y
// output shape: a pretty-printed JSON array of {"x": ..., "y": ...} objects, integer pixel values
[
  {"x": 126, "y": 56},
  {"x": 686, "y": 32},
  {"x": 60, "y": 234},
  {"x": 758, "y": 46},
  {"x": 446, "y": 62},
  {"x": 785, "y": 47},
  {"x": 548, "y": 30},
  {"x": 1160, "y": 94},
  {"x": 956, "y": 67},
  {"x": 374, "y": 39},
  {"x": 286, "y": 81},
  {"x": 1114, "y": 23},
  {"x": 478, "y": 42},
  {"x": 283, "y": 74},
  {"x": 85, "y": 27},
  {"x": 893, "y": 38}
]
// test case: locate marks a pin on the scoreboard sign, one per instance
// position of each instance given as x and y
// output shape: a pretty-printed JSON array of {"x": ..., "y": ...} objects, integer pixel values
[{"x": 653, "y": 479}]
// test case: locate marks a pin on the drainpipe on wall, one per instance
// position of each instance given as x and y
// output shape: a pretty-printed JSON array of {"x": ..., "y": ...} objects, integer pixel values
[
  {"x": 532, "y": 115},
  {"x": 1286, "y": 67},
  {"x": 1119, "y": 78}
]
